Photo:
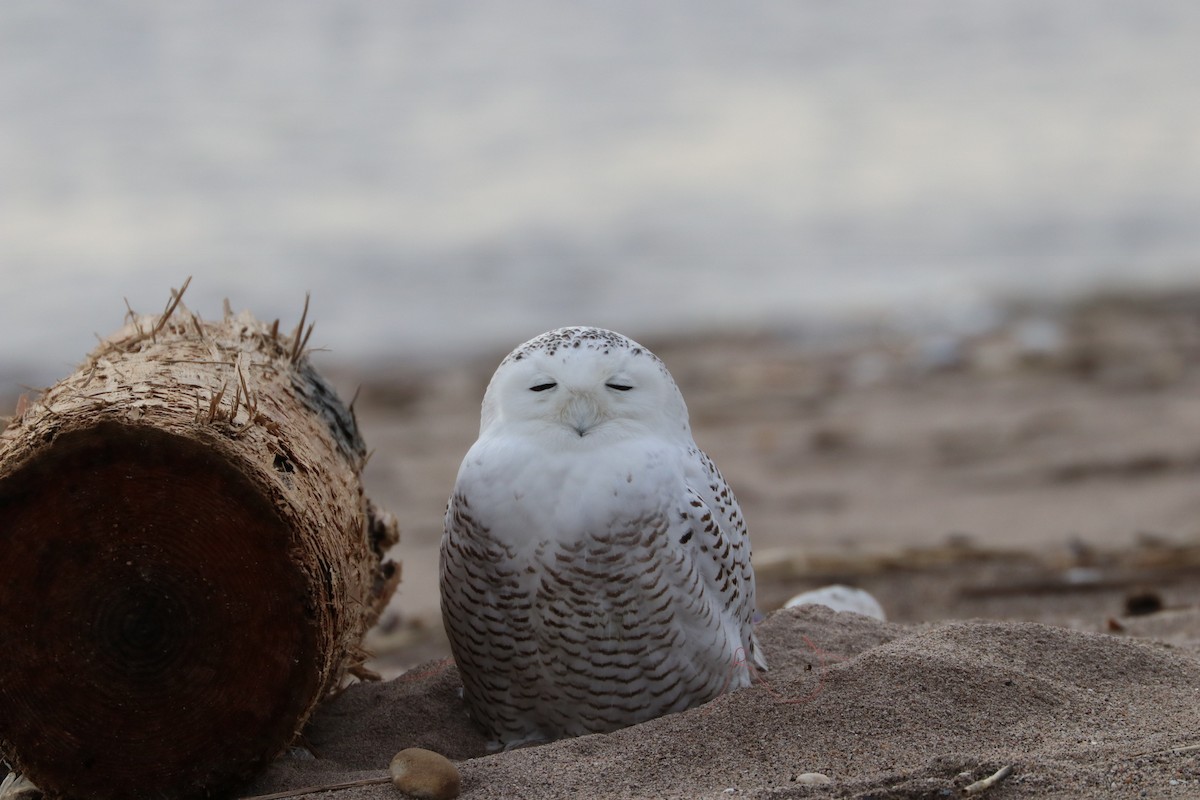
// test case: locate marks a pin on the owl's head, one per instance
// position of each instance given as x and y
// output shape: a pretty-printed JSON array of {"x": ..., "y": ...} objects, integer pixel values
[{"x": 584, "y": 382}]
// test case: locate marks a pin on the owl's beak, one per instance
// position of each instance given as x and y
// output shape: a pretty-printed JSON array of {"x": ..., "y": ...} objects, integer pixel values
[{"x": 582, "y": 413}]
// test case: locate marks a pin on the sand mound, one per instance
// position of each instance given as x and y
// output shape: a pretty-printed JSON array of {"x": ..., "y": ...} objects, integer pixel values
[{"x": 884, "y": 710}]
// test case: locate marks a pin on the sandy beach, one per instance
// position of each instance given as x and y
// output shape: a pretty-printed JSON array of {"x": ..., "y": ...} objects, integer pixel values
[
  {"x": 925, "y": 273},
  {"x": 1022, "y": 503},
  {"x": 882, "y": 710}
]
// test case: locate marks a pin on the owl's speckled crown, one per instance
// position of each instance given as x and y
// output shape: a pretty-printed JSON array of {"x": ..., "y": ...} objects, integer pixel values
[{"x": 577, "y": 337}]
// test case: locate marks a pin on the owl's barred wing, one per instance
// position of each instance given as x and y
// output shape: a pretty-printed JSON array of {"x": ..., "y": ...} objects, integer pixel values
[
  {"x": 650, "y": 615},
  {"x": 724, "y": 547},
  {"x": 487, "y": 613},
  {"x": 628, "y": 631}
]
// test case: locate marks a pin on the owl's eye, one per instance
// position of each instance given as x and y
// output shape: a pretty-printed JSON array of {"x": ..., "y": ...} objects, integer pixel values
[
  {"x": 541, "y": 387},
  {"x": 620, "y": 387}
]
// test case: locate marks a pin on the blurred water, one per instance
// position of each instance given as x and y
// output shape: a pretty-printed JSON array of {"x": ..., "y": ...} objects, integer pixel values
[{"x": 445, "y": 176}]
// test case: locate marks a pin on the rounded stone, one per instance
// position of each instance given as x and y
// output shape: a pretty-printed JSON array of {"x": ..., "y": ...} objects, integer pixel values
[
  {"x": 813, "y": 779},
  {"x": 425, "y": 774}
]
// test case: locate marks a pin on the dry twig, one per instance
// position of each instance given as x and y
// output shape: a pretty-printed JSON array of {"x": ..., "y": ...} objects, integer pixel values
[
  {"x": 1174, "y": 751},
  {"x": 196, "y": 322},
  {"x": 176, "y": 299},
  {"x": 299, "y": 340},
  {"x": 981, "y": 786}
]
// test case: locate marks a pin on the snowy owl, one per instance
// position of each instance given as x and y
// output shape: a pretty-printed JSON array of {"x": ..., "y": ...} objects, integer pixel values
[{"x": 595, "y": 568}]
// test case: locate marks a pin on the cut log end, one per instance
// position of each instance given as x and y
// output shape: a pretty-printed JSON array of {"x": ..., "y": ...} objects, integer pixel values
[{"x": 147, "y": 617}]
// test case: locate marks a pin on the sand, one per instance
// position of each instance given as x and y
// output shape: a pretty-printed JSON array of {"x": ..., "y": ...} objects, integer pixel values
[{"x": 883, "y": 710}]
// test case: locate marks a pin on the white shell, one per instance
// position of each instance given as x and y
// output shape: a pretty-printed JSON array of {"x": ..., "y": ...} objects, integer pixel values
[{"x": 840, "y": 598}]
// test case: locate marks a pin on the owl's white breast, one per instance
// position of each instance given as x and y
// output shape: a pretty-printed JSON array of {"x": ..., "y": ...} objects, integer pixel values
[{"x": 528, "y": 490}]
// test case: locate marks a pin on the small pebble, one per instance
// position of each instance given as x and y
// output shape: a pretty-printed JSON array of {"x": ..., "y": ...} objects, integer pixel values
[
  {"x": 813, "y": 779},
  {"x": 425, "y": 774}
]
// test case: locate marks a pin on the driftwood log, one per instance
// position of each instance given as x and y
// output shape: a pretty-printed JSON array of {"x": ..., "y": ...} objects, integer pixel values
[{"x": 188, "y": 559}]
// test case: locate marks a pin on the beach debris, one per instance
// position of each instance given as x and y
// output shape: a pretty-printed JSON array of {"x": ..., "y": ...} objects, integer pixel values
[
  {"x": 840, "y": 598},
  {"x": 188, "y": 548},
  {"x": 1039, "y": 339},
  {"x": 981, "y": 786},
  {"x": 1141, "y": 603},
  {"x": 415, "y": 771},
  {"x": 1174, "y": 751}
]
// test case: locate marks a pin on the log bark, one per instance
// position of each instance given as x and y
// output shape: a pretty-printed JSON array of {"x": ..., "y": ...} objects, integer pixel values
[{"x": 189, "y": 559}]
